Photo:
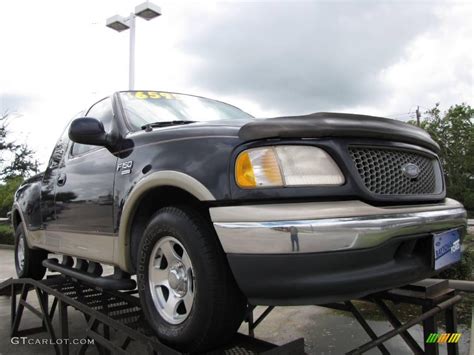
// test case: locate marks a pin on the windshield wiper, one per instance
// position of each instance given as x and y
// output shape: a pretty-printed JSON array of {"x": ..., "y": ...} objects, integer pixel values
[{"x": 149, "y": 126}]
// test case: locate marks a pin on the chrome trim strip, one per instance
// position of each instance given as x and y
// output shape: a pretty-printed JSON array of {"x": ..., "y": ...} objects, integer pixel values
[
  {"x": 332, "y": 234},
  {"x": 317, "y": 210}
]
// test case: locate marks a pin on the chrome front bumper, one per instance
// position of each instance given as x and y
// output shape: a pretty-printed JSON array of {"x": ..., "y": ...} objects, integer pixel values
[{"x": 327, "y": 226}]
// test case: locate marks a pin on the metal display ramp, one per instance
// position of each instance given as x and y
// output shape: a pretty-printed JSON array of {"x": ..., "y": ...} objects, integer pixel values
[{"x": 114, "y": 319}]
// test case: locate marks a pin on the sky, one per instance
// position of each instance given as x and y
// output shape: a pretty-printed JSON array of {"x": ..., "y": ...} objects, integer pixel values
[{"x": 270, "y": 58}]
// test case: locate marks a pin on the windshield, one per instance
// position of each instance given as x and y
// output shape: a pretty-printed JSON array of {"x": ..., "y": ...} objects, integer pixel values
[{"x": 146, "y": 107}]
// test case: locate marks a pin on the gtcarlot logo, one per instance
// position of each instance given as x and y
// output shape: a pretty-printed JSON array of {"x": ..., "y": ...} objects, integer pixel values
[{"x": 47, "y": 341}]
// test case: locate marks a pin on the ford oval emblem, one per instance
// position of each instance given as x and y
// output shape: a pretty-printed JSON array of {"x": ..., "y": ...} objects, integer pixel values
[{"x": 410, "y": 170}]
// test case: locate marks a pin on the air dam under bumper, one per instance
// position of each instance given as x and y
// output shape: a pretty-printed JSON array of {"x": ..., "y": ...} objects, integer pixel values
[{"x": 307, "y": 253}]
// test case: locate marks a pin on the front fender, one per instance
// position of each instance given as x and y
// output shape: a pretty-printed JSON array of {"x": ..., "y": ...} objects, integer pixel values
[{"x": 156, "y": 179}]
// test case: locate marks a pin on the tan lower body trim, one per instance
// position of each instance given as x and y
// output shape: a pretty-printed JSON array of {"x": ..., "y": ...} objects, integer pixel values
[{"x": 100, "y": 248}]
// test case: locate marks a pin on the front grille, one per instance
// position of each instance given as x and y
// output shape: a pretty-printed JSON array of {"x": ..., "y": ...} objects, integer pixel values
[{"x": 381, "y": 171}]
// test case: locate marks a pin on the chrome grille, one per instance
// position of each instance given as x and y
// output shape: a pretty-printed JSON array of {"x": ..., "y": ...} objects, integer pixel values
[{"x": 381, "y": 171}]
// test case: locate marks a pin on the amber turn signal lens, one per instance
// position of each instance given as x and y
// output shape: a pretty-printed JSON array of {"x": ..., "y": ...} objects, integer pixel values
[
  {"x": 258, "y": 168},
  {"x": 244, "y": 171}
]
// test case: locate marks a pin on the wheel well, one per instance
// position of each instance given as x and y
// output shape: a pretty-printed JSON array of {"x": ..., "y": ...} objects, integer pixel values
[
  {"x": 150, "y": 203},
  {"x": 16, "y": 218}
]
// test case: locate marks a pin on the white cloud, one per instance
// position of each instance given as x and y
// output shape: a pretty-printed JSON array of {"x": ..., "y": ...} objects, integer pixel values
[
  {"x": 60, "y": 57},
  {"x": 436, "y": 66}
]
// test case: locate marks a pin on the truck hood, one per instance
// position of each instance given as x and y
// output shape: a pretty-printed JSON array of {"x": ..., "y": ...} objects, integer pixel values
[{"x": 326, "y": 124}]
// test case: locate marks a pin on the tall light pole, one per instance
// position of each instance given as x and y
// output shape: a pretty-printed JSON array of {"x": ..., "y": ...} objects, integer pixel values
[{"x": 146, "y": 11}]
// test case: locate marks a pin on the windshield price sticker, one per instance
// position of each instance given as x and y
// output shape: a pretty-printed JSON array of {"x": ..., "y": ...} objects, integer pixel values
[{"x": 144, "y": 95}]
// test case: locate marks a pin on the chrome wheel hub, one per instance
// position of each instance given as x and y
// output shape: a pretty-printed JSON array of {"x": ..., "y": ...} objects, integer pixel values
[
  {"x": 171, "y": 280},
  {"x": 178, "y": 278}
]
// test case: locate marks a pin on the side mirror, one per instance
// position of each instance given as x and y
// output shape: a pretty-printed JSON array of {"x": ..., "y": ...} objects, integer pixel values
[{"x": 88, "y": 130}]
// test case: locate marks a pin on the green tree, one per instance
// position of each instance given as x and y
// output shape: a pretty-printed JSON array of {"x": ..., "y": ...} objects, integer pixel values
[
  {"x": 7, "y": 192},
  {"x": 16, "y": 163},
  {"x": 15, "y": 159},
  {"x": 453, "y": 130}
]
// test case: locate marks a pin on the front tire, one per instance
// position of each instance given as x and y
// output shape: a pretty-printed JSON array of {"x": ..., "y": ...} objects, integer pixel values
[
  {"x": 187, "y": 291},
  {"x": 28, "y": 262}
]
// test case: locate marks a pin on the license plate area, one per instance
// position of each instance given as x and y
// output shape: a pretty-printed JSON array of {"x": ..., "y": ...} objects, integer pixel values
[{"x": 446, "y": 248}]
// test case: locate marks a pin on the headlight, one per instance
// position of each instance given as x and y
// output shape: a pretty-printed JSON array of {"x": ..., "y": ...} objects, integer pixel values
[{"x": 287, "y": 165}]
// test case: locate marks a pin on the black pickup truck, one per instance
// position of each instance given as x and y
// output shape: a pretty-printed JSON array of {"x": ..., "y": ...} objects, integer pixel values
[{"x": 213, "y": 209}]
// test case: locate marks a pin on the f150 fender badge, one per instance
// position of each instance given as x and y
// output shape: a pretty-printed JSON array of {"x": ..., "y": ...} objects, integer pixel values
[
  {"x": 125, "y": 167},
  {"x": 410, "y": 170}
]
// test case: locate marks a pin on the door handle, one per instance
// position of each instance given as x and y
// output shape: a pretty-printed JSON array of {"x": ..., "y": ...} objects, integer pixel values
[{"x": 61, "y": 179}]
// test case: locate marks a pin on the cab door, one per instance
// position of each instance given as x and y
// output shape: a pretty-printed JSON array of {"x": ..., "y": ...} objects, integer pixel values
[
  {"x": 84, "y": 195},
  {"x": 48, "y": 205}
]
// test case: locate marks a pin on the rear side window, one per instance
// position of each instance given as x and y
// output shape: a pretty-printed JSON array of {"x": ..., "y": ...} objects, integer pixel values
[
  {"x": 102, "y": 111},
  {"x": 59, "y": 149}
]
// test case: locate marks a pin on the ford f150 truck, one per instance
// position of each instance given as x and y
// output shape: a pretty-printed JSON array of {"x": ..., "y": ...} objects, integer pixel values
[{"x": 213, "y": 209}]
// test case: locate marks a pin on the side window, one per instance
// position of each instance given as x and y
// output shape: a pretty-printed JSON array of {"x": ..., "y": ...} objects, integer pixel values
[
  {"x": 78, "y": 149},
  {"x": 102, "y": 111}
]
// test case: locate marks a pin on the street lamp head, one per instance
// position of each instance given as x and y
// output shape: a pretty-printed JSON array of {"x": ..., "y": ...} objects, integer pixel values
[
  {"x": 117, "y": 23},
  {"x": 147, "y": 11}
]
